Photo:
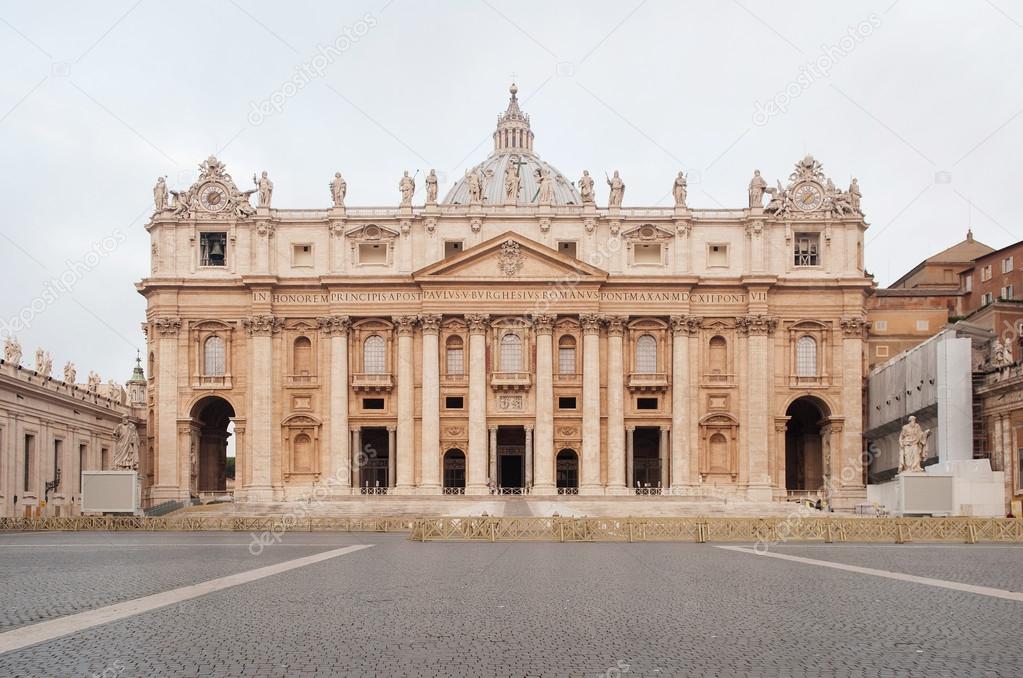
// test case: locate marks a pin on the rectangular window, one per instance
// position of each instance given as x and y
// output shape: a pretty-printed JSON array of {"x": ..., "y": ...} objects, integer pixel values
[
  {"x": 881, "y": 325},
  {"x": 646, "y": 403},
  {"x": 30, "y": 449},
  {"x": 104, "y": 459},
  {"x": 566, "y": 402},
  {"x": 807, "y": 247},
  {"x": 1007, "y": 265},
  {"x": 1006, "y": 292},
  {"x": 454, "y": 402},
  {"x": 568, "y": 248},
  {"x": 968, "y": 283},
  {"x": 372, "y": 253},
  {"x": 646, "y": 253},
  {"x": 452, "y": 247},
  {"x": 986, "y": 298},
  {"x": 302, "y": 256},
  {"x": 566, "y": 360},
  {"x": 985, "y": 273},
  {"x": 881, "y": 351},
  {"x": 372, "y": 403},
  {"x": 717, "y": 255},
  {"x": 923, "y": 325},
  {"x": 213, "y": 249}
]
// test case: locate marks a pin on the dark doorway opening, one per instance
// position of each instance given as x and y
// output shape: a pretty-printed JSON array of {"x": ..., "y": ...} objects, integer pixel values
[
  {"x": 646, "y": 457},
  {"x": 375, "y": 457},
  {"x": 454, "y": 469},
  {"x": 804, "y": 456},
  {"x": 511, "y": 456},
  {"x": 209, "y": 464},
  {"x": 567, "y": 470}
]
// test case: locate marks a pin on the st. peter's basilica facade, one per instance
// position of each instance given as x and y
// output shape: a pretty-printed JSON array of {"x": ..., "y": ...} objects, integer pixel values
[{"x": 513, "y": 337}]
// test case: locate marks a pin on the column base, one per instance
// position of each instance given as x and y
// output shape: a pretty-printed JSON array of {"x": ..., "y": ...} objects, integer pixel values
[
  {"x": 402, "y": 490},
  {"x": 429, "y": 490},
  {"x": 591, "y": 490},
  {"x": 618, "y": 491},
  {"x": 543, "y": 491}
]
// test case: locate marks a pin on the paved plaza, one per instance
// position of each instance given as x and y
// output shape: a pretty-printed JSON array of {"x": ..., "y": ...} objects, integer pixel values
[{"x": 398, "y": 608}]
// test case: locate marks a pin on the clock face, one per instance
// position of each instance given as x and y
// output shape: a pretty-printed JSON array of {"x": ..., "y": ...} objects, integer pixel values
[
  {"x": 213, "y": 197},
  {"x": 808, "y": 197}
]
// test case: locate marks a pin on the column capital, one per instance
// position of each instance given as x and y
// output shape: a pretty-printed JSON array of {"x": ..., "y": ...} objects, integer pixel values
[
  {"x": 405, "y": 324},
  {"x": 335, "y": 325},
  {"x": 392, "y": 429},
  {"x": 477, "y": 322},
  {"x": 543, "y": 323},
  {"x": 167, "y": 326},
  {"x": 262, "y": 325},
  {"x": 688, "y": 325},
  {"x": 616, "y": 325},
  {"x": 756, "y": 324},
  {"x": 854, "y": 326},
  {"x": 430, "y": 323},
  {"x": 590, "y": 322}
]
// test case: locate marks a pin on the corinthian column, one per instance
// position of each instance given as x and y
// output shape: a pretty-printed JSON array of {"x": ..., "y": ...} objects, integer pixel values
[
  {"x": 168, "y": 486},
  {"x": 429, "y": 448},
  {"x": 261, "y": 329},
  {"x": 615, "y": 405},
  {"x": 404, "y": 477},
  {"x": 759, "y": 328},
  {"x": 336, "y": 328},
  {"x": 591, "y": 404},
  {"x": 682, "y": 327},
  {"x": 477, "y": 460},
  {"x": 543, "y": 441}
]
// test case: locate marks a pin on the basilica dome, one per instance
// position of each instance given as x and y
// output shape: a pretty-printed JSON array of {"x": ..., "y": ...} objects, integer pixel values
[{"x": 513, "y": 148}]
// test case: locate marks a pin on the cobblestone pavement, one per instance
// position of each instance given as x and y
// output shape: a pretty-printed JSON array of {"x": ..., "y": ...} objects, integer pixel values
[{"x": 409, "y": 609}]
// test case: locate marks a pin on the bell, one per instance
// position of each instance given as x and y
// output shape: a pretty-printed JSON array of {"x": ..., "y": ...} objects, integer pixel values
[{"x": 216, "y": 249}]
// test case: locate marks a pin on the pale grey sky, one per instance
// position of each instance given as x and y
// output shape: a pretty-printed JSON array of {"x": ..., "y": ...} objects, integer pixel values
[{"x": 921, "y": 101}]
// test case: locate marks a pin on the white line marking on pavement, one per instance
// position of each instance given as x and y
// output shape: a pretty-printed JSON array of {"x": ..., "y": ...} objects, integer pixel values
[
  {"x": 55, "y": 628},
  {"x": 939, "y": 583}
]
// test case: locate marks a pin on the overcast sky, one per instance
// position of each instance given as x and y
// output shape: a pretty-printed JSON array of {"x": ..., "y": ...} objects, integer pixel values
[{"x": 921, "y": 101}]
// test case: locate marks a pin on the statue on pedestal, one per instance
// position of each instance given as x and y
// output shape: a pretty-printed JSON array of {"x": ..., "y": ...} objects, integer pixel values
[
  {"x": 265, "y": 188},
  {"x": 338, "y": 189},
  {"x": 545, "y": 195},
  {"x": 126, "y": 446},
  {"x": 912, "y": 447},
  {"x": 12, "y": 351},
  {"x": 431, "y": 187},
  {"x": 617, "y": 193},
  {"x": 511, "y": 181},
  {"x": 407, "y": 186},
  {"x": 70, "y": 373},
  {"x": 757, "y": 185},
  {"x": 93, "y": 382},
  {"x": 160, "y": 195},
  {"x": 585, "y": 185},
  {"x": 680, "y": 189}
]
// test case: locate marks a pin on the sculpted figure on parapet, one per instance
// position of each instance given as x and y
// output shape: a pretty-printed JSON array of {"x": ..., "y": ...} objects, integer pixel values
[
  {"x": 338, "y": 189},
  {"x": 680, "y": 189},
  {"x": 757, "y": 186},
  {"x": 265, "y": 188},
  {"x": 617, "y": 192},
  {"x": 585, "y": 185},
  {"x": 407, "y": 186},
  {"x": 431, "y": 186},
  {"x": 160, "y": 195},
  {"x": 12, "y": 351}
]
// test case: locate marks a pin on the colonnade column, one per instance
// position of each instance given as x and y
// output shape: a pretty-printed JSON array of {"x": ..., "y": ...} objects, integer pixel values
[
  {"x": 477, "y": 458},
  {"x": 429, "y": 449},
  {"x": 591, "y": 404},
  {"x": 616, "y": 476},
  {"x": 168, "y": 486},
  {"x": 404, "y": 477},
  {"x": 261, "y": 329},
  {"x": 759, "y": 329},
  {"x": 336, "y": 328},
  {"x": 543, "y": 453},
  {"x": 662, "y": 452}
]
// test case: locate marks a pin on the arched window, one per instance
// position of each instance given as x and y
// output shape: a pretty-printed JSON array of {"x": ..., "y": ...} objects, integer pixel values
[
  {"x": 511, "y": 353},
  {"x": 566, "y": 354},
  {"x": 455, "y": 356},
  {"x": 718, "y": 359},
  {"x": 374, "y": 360},
  {"x": 303, "y": 357},
  {"x": 302, "y": 454},
  {"x": 646, "y": 354},
  {"x": 806, "y": 357},
  {"x": 213, "y": 357}
]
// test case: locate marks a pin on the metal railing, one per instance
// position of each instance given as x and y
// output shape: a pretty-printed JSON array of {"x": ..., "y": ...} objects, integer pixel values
[{"x": 453, "y": 490}]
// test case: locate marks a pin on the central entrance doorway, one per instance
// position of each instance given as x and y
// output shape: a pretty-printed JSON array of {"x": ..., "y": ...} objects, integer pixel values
[
  {"x": 375, "y": 459},
  {"x": 646, "y": 457},
  {"x": 511, "y": 456},
  {"x": 804, "y": 453}
]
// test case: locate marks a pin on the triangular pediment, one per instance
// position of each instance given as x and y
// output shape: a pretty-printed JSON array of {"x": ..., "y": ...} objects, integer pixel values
[{"x": 510, "y": 256}]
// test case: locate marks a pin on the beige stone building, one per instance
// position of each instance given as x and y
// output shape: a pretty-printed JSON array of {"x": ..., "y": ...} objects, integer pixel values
[
  {"x": 53, "y": 429},
  {"x": 512, "y": 337}
]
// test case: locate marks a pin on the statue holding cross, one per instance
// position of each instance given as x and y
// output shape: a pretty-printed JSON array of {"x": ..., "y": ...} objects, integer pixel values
[{"x": 512, "y": 181}]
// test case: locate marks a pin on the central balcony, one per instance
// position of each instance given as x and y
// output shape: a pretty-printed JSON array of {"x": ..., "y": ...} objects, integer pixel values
[
  {"x": 648, "y": 381},
  {"x": 372, "y": 381},
  {"x": 510, "y": 381}
]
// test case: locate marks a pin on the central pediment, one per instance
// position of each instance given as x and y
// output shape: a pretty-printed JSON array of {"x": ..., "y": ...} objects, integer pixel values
[{"x": 510, "y": 257}]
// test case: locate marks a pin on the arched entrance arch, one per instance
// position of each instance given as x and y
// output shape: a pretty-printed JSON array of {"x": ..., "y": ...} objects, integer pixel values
[
  {"x": 806, "y": 447},
  {"x": 209, "y": 467},
  {"x": 567, "y": 476},
  {"x": 454, "y": 471}
]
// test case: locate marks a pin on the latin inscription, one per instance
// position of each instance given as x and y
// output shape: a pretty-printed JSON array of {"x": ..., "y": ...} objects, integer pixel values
[{"x": 484, "y": 295}]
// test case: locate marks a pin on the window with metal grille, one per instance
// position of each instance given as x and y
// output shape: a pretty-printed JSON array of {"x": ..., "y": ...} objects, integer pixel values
[
  {"x": 566, "y": 355},
  {"x": 646, "y": 354},
  {"x": 374, "y": 359},
  {"x": 455, "y": 353},
  {"x": 213, "y": 357},
  {"x": 806, "y": 249},
  {"x": 806, "y": 357},
  {"x": 511, "y": 353}
]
